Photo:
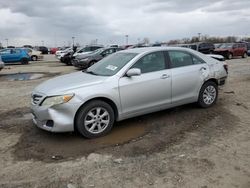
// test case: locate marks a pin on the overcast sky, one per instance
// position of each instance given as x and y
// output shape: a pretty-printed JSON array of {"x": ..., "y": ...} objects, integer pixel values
[{"x": 56, "y": 21}]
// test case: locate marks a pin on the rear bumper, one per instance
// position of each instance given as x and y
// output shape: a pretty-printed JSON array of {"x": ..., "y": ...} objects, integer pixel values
[
  {"x": 40, "y": 57},
  {"x": 1, "y": 65}
]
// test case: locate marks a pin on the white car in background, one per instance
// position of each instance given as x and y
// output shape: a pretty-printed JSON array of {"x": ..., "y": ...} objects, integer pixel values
[
  {"x": 35, "y": 55},
  {"x": 61, "y": 53},
  {"x": 1, "y": 64}
]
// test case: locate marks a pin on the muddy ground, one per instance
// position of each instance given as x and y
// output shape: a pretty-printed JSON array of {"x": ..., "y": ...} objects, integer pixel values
[{"x": 180, "y": 147}]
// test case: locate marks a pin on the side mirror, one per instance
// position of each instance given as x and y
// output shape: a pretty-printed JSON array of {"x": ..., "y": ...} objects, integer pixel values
[
  {"x": 133, "y": 72},
  {"x": 103, "y": 54}
]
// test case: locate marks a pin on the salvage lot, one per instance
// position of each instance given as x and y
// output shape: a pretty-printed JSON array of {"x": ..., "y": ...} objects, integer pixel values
[{"x": 180, "y": 147}]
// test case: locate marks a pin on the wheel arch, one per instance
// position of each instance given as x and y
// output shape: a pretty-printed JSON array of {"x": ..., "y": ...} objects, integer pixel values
[
  {"x": 208, "y": 80},
  {"x": 212, "y": 80},
  {"x": 105, "y": 99}
]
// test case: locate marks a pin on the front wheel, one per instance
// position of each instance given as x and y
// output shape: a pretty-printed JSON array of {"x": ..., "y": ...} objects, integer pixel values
[
  {"x": 230, "y": 56},
  {"x": 208, "y": 94},
  {"x": 24, "y": 61},
  {"x": 95, "y": 119}
]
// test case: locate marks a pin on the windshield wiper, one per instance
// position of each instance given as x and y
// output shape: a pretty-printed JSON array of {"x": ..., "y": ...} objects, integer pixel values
[{"x": 90, "y": 72}]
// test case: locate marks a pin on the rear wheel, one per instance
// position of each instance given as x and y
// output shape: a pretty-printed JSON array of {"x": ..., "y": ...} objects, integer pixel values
[
  {"x": 24, "y": 61},
  {"x": 208, "y": 94},
  {"x": 244, "y": 55},
  {"x": 34, "y": 58},
  {"x": 95, "y": 119}
]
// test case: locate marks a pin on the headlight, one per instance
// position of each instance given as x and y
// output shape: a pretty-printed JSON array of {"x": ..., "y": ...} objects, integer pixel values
[
  {"x": 51, "y": 101},
  {"x": 85, "y": 59}
]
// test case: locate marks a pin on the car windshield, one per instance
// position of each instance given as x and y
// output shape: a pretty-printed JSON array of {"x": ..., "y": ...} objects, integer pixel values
[
  {"x": 110, "y": 65},
  {"x": 98, "y": 51},
  {"x": 229, "y": 45},
  {"x": 194, "y": 47}
]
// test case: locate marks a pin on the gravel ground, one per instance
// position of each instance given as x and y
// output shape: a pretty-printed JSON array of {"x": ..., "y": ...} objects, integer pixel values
[{"x": 180, "y": 147}]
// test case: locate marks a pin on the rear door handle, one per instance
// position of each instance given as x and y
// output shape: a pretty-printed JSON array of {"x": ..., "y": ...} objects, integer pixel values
[{"x": 165, "y": 76}]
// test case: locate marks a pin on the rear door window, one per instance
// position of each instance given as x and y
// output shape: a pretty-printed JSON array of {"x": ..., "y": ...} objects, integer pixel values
[{"x": 180, "y": 59}]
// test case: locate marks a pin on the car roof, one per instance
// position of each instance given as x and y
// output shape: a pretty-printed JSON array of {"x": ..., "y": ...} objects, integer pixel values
[{"x": 152, "y": 49}]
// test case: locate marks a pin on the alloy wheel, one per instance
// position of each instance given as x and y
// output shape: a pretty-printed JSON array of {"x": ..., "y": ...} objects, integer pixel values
[
  {"x": 209, "y": 95},
  {"x": 97, "y": 120}
]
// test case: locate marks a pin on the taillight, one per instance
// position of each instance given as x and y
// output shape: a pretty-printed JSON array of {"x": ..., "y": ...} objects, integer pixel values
[{"x": 225, "y": 65}]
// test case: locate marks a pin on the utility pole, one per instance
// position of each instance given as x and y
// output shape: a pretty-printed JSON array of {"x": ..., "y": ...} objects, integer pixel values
[
  {"x": 73, "y": 41},
  {"x": 7, "y": 42},
  {"x": 199, "y": 35},
  {"x": 126, "y": 36},
  {"x": 138, "y": 40}
]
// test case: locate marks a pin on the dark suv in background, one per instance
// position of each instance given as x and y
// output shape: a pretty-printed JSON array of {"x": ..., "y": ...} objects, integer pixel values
[
  {"x": 42, "y": 49},
  {"x": 230, "y": 50},
  {"x": 203, "y": 47}
]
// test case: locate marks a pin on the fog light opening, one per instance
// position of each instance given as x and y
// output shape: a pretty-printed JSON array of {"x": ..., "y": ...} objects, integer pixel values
[{"x": 50, "y": 123}]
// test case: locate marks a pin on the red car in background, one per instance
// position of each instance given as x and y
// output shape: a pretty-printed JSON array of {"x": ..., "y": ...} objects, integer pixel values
[
  {"x": 230, "y": 50},
  {"x": 53, "y": 50}
]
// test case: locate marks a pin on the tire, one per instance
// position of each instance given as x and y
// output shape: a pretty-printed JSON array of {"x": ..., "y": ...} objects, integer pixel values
[
  {"x": 229, "y": 56},
  {"x": 34, "y": 58},
  {"x": 24, "y": 61},
  {"x": 244, "y": 55},
  {"x": 208, "y": 94},
  {"x": 97, "y": 126},
  {"x": 91, "y": 63}
]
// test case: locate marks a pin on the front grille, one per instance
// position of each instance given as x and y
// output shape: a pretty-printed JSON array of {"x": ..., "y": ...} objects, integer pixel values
[{"x": 36, "y": 99}]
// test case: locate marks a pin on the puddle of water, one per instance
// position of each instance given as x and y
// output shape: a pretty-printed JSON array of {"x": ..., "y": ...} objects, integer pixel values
[
  {"x": 41, "y": 145},
  {"x": 22, "y": 76},
  {"x": 122, "y": 134}
]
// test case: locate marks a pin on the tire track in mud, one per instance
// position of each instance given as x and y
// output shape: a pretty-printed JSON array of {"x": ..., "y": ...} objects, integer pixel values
[{"x": 143, "y": 135}]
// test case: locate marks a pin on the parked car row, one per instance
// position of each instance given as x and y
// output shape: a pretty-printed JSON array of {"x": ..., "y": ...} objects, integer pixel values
[
  {"x": 22, "y": 55},
  {"x": 230, "y": 50},
  {"x": 86, "y": 60},
  {"x": 226, "y": 50},
  {"x": 68, "y": 55},
  {"x": 13, "y": 55}
]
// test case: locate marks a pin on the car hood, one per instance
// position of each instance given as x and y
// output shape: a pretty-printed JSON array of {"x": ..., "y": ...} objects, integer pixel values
[
  {"x": 83, "y": 56},
  {"x": 65, "y": 83},
  {"x": 221, "y": 49},
  {"x": 83, "y": 53}
]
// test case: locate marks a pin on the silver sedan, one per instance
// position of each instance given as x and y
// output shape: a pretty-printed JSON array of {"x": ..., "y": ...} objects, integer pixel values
[{"x": 126, "y": 84}]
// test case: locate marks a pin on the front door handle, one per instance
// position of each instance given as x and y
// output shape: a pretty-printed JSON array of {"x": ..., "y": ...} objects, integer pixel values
[
  {"x": 165, "y": 76},
  {"x": 203, "y": 68}
]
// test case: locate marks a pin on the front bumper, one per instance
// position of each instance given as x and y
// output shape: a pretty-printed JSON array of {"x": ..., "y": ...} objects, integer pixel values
[
  {"x": 80, "y": 64},
  {"x": 222, "y": 81},
  {"x": 61, "y": 116},
  {"x": 40, "y": 57}
]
